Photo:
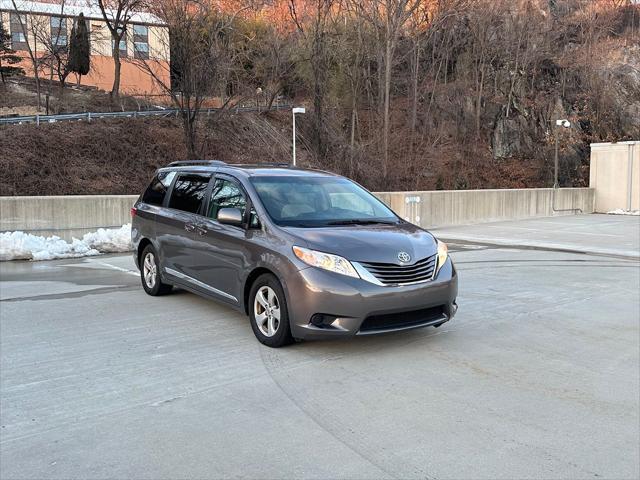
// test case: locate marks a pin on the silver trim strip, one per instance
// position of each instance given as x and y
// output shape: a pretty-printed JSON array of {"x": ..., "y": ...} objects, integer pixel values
[
  {"x": 200, "y": 284},
  {"x": 366, "y": 275}
]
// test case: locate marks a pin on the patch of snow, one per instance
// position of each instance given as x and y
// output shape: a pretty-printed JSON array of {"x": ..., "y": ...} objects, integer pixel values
[
  {"x": 25, "y": 246},
  {"x": 619, "y": 211},
  {"x": 110, "y": 240}
]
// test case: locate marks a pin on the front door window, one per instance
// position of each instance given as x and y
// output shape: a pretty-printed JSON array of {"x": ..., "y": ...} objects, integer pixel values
[{"x": 226, "y": 194}]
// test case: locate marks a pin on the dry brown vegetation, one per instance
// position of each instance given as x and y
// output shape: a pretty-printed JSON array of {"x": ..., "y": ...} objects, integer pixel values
[
  {"x": 18, "y": 97},
  {"x": 119, "y": 156},
  {"x": 430, "y": 94}
]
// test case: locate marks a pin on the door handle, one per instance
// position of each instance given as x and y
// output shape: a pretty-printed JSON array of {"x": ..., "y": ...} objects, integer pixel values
[{"x": 189, "y": 227}]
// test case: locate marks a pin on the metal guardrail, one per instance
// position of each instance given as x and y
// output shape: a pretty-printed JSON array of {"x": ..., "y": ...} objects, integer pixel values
[{"x": 90, "y": 116}]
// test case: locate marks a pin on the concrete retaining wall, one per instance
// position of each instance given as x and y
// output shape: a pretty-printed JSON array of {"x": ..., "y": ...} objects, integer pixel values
[
  {"x": 461, "y": 207},
  {"x": 73, "y": 216},
  {"x": 65, "y": 216},
  {"x": 615, "y": 175}
]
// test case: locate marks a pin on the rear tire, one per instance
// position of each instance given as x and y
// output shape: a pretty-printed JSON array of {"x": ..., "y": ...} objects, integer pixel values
[
  {"x": 268, "y": 312},
  {"x": 150, "y": 273}
]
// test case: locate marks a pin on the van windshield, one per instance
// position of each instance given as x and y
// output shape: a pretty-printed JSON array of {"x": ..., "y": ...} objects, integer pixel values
[{"x": 297, "y": 201}]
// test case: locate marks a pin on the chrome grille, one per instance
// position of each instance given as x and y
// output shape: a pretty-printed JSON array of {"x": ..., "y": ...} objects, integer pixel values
[{"x": 392, "y": 274}]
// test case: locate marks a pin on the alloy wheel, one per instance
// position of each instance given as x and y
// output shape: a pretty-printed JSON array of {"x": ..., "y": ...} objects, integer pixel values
[
  {"x": 266, "y": 308},
  {"x": 149, "y": 270}
]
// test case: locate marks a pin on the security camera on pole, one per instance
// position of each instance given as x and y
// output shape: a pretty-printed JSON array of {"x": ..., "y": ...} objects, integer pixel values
[
  {"x": 565, "y": 124},
  {"x": 293, "y": 113}
]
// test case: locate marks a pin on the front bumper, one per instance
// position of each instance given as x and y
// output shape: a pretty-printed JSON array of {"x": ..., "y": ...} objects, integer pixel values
[{"x": 351, "y": 301}]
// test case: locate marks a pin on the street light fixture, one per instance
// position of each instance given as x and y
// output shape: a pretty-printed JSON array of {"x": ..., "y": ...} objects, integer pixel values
[
  {"x": 293, "y": 113},
  {"x": 565, "y": 124}
]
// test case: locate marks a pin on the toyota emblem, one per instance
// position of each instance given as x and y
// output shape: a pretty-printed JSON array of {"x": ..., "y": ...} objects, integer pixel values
[{"x": 404, "y": 257}]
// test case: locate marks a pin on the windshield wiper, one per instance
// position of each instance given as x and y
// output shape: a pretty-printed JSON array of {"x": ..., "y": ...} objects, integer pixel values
[{"x": 361, "y": 221}]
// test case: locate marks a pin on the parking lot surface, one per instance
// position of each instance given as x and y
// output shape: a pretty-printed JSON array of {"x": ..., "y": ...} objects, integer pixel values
[
  {"x": 537, "y": 377},
  {"x": 610, "y": 235}
]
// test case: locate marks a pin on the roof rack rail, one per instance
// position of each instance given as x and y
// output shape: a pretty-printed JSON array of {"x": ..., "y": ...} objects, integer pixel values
[
  {"x": 191, "y": 163},
  {"x": 276, "y": 164}
]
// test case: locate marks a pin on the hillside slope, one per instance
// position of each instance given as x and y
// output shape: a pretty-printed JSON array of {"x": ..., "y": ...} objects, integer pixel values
[{"x": 119, "y": 156}]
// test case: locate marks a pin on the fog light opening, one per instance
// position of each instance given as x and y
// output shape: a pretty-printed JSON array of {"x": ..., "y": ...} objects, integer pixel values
[{"x": 322, "y": 320}]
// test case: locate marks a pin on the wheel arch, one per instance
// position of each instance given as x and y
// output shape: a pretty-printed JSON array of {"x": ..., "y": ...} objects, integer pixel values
[
  {"x": 141, "y": 246},
  {"x": 251, "y": 278}
]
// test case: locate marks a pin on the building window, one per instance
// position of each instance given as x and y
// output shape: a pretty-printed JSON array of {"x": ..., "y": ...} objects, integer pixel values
[
  {"x": 18, "y": 37},
  {"x": 141, "y": 42},
  {"x": 122, "y": 46},
  {"x": 59, "y": 32},
  {"x": 58, "y": 22}
]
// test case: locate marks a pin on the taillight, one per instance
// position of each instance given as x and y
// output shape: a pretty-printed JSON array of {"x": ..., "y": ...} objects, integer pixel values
[{"x": 134, "y": 210}]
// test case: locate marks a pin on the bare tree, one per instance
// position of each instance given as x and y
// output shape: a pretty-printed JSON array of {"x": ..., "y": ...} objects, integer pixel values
[
  {"x": 197, "y": 41},
  {"x": 352, "y": 53},
  {"x": 117, "y": 15},
  {"x": 313, "y": 21},
  {"x": 388, "y": 17},
  {"x": 29, "y": 28},
  {"x": 55, "y": 58},
  {"x": 482, "y": 54},
  {"x": 269, "y": 53}
]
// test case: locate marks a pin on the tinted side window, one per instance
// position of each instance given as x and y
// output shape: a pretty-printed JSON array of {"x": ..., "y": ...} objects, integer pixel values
[
  {"x": 188, "y": 192},
  {"x": 226, "y": 194},
  {"x": 154, "y": 195}
]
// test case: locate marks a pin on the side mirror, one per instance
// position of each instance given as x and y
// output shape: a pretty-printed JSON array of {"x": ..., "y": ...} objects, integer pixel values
[{"x": 230, "y": 216}]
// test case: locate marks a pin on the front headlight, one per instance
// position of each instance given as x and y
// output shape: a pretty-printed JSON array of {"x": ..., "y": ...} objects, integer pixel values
[
  {"x": 326, "y": 261},
  {"x": 443, "y": 253}
]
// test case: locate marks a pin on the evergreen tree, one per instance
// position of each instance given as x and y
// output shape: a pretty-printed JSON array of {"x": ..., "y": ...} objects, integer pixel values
[
  {"x": 79, "y": 48},
  {"x": 8, "y": 56}
]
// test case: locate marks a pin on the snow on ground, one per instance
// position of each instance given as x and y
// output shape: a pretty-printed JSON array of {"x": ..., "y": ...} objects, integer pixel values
[
  {"x": 619, "y": 211},
  {"x": 24, "y": 246}
]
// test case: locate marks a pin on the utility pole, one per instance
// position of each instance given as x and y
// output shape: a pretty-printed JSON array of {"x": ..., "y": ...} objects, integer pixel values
[{"x": 559, "y": 123}]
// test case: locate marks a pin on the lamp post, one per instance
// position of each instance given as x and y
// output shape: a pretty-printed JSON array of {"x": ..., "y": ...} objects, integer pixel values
[
  {"x": 559, "y": 123},
  {"x": 293, "y": 113}
]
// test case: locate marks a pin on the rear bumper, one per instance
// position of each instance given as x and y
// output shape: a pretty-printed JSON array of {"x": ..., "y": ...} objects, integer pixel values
[{"x": 352, "y": 306}]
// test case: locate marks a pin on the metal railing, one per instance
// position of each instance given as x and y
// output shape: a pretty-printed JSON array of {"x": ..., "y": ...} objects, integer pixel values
[{"x": 90, "y": 116}]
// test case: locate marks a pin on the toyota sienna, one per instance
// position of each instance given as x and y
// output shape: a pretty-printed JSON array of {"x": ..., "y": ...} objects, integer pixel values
[{"x": 304, "y": 253}]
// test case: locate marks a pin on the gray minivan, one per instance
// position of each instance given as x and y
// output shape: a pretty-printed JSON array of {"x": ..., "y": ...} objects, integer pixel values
[{"x": 306, "y": 254}]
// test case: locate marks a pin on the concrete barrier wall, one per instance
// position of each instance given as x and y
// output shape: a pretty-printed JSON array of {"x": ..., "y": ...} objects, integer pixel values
[
  {"x": 615, "y": 175},
  {"x": 65, "y": 216},
  {"x": 73, "y": 216},
  {"x": 460, "y": 207}
]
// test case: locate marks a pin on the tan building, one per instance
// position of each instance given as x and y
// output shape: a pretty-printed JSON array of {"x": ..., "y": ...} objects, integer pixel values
[
  {"x": 146, "y": 40},
  {"x": 615, "y": 176}
]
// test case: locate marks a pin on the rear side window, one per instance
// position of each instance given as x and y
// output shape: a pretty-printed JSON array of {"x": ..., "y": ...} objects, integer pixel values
[
  {"x": 154, "y": 195},
  {"x": 188, "y": 192}
]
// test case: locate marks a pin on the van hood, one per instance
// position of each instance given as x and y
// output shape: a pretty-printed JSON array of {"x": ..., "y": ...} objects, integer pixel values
[{"x": 369, "y": 243}]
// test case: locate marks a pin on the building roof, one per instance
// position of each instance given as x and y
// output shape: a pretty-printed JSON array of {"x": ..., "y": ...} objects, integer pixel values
[{"x": 73, "y": 8}]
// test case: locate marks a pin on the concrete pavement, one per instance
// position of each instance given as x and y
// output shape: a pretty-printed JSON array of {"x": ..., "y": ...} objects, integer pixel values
[
  {"x": 537, "y": 377},
  {"x": 612, "y": 235}
]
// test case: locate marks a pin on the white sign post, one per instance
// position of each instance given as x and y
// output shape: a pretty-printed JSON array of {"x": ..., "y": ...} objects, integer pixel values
[{"x": 293, "y": 113}]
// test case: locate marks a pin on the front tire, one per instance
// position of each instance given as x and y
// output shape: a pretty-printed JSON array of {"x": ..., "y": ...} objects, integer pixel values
[
  {"x": 150, "y": 273},
  {"x": 268, "y": 312}
]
